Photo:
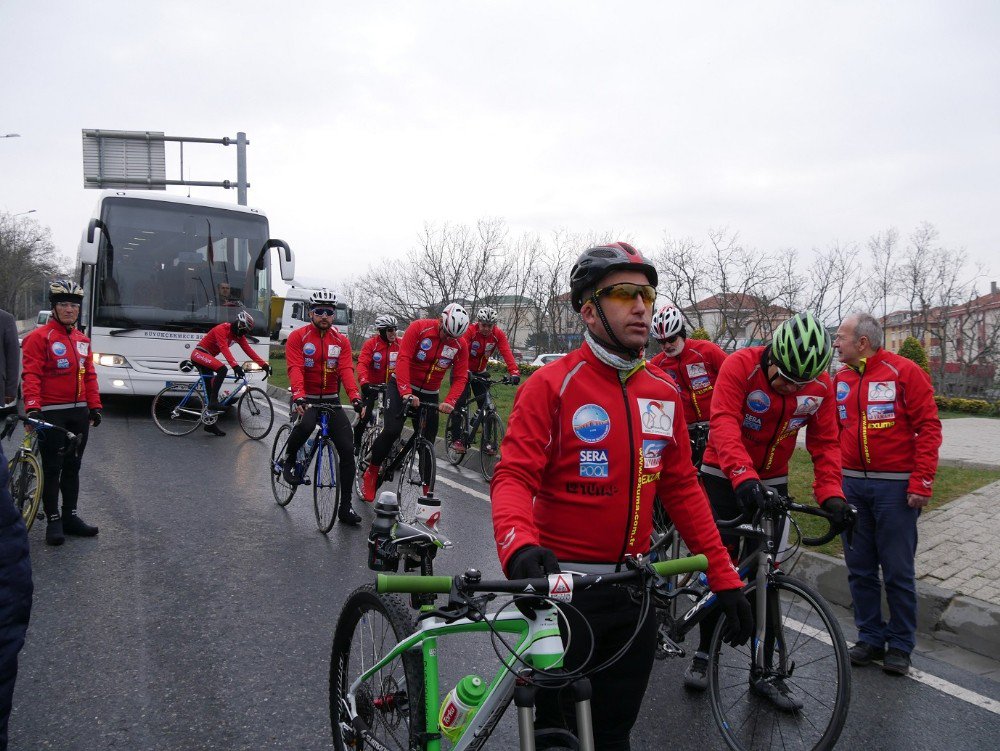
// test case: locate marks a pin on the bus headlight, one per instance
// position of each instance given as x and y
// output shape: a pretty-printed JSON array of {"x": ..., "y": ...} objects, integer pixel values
[
  {"x": 251, "y": 367},
  {"x": 110, "y": 361}
]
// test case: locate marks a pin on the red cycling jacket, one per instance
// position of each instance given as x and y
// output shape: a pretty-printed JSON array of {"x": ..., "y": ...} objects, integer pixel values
[
  {"x": 58, "y": 369},
  {"x": 318, "y": 362},
  {"x": 753, "y": 428},
  {"x": 377, "y": 360},
  {"x": 481, "y": 347},
  {"x": 889, "y": 426},
  {"x": 695, "y": 371},
  {"x": 584, "y": 459},
  {"x": 425, "y": 356},
  {"x": 220, "y": 338}
]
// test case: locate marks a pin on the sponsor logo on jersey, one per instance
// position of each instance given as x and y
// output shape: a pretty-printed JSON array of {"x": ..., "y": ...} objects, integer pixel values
[
  {"x": 331, "y": 364},
  {"x": 309, "y": 362},
  {"x": 591, "y": 423},
  {"x": 448, "y": 353},
  {"x": 652, "y": 454},
  {"x": 474, "y": 349},
  {"x": 58, "y": 349},
  {"x": 62, "y": 362},
  {"x": 751, "y": 422},
  {"x": 377, "y": 356},
  {"x": 795, "y": 423},
  {"x": 882, "y": 391},
  {"x": 701, "y": 383},
  {"x": 881, "y": 411},
  {"x": 843, "y": 389},
  {"x": 842, "y": 411},
  {"x": 881, "y": 425},
  {"x": 594, "y": 463},
  {"x": 309, "y": 348},
  {"x": 807, "y": 405},
  {"x": 758, "y": 401},
  {"x": 657, "y": 417},
  {"x": 392, "y": 358},
  {"x": 696, "y": 369},
  {"x": 597, "y": 489},
  {"x": 333, "y": 350},
  {"x": 426, "y": 344},
  {"x": 82, "y": 348}
]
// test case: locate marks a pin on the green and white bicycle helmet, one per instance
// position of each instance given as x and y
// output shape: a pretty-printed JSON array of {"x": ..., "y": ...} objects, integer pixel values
[{"x": 801, "y": 347}]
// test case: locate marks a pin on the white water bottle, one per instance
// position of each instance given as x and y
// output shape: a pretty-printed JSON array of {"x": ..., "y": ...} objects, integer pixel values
[{"x": 428, "y": 512}]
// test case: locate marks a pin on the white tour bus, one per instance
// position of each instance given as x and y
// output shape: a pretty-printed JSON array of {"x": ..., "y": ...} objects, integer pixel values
[{"x": 158, "y": 271}]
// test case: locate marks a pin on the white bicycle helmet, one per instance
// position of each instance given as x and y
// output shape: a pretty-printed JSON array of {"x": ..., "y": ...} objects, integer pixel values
[
  {"x": 487, "y": 314},
  {"x": 667, "y": 322},
  {"x": 454, "y": 320},
  {"x": 243, "y": 322},
  {"x": 386, "y": 322},
  {"x": 322, "y": 297}
]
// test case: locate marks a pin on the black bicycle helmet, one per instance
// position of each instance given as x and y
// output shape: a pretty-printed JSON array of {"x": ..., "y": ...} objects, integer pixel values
[{"x": 596, "y": 263}]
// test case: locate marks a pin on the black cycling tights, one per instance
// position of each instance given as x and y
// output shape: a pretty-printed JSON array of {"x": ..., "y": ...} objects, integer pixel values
[
  {"x": 62, "y": 473},
  {"x": 339, "y": 429}
]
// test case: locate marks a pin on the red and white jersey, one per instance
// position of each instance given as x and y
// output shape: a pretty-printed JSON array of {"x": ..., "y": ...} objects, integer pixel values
[
  {"x": 318, "y": 362},
  {"x": 58, "y": 369},
  {"x": 889, "y": 426},
  {"x": 481, "y": 348},
  {"x": 425, "y": 356},
  {"x": 220, "y": 338},
  {"x": 584, "y": 459},
  {"x": 753, "y": 428},
  {"x": 377, "y": 360},
  {"x": 694, "y": 371}
]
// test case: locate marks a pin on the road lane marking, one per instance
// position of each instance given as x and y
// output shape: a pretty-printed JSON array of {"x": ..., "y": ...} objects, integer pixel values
[{"x": 463, "y": 488}]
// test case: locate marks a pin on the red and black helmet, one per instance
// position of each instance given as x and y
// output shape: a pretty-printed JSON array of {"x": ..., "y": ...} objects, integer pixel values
[{"x": 596, "y": 263}]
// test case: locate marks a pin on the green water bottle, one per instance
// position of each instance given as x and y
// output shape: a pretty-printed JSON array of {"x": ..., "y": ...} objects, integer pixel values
[{"x": 460, "y": 705}]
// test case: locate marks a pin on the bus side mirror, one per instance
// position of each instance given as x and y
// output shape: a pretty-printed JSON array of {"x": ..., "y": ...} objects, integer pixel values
[
  {"x": 90, "y": 241},
  {"x": 286, "y": 260}
]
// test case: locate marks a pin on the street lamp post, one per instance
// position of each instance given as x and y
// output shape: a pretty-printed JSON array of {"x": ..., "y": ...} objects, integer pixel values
[
  {"x": 29, "y": 211},
  {"x": 11, "y": 135}
]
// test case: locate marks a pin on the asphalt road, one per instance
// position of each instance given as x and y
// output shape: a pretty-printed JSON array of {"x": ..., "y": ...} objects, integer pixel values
[{"x": 201, "y": 616}]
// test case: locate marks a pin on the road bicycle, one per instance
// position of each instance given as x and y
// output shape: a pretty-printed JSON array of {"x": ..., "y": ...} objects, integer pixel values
[
  {"x": 790, "y": 687},
  {"x": 324, "y": 480},
  {"x": 384, "y": 666},
  {"x": 180, "y": 408},
  {"x": 374, "y": 426},
  {"x": 493, "y": 430},
  {"x": 411, "y": 462},
  {"x": 25, "y": 478}
]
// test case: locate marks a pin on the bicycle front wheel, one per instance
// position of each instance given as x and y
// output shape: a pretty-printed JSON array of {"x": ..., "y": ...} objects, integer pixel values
[
  {"x": 25, "y": 485},
  {"x": 325, "y": 484},
  {"x": 177, "y": 409},
  {"x": 385, "y": 709},
  {"x": 798, "y": 697},
  {"x": 489, "y": 444},
  {"x": 457, "y": 457},
  {"x": 367, "y": 439},
  {"x": 256, "y": 413},
  {"x": 283, "y": 492},
  {"x": 416, "y": 479}
]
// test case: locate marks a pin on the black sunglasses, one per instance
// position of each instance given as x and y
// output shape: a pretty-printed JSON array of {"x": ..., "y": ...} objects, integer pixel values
[{"x": 323, "y": 311}]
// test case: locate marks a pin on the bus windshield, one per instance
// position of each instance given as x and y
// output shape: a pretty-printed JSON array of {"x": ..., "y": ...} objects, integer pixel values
[{"x": 179, "y": 267}]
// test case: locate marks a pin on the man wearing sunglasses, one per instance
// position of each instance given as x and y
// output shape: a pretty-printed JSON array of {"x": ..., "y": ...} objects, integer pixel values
[
  {"x": 319, "y": 361},
  {"x": 592, "y": 440},
  {"x": 376, "y": 362},
  {"x": 763, "y": 397}
]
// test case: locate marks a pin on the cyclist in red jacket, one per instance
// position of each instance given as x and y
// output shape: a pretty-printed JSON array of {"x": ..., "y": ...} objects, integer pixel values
[
  {"x": 59, "y": 385},
  {"x": 889, "y": 440},
  {"x": 763, "y": 397},
  {"x": 483, "y": 339},
  {"x": 376, "y": 362},
  {"x": 319, "y": 360},
  {"x": 218, "y": 341},
  {"x": 430, "y": 347},
  {"x": 593, "y": 439}
]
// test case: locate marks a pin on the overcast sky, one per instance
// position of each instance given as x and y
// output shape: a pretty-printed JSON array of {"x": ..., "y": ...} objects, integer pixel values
[{"x": 797, "y": 123}]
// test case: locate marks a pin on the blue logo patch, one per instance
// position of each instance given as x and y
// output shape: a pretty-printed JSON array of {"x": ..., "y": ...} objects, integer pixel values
[
  {"x": 377, "y": 356},
  {"x": 426, "y": 344},
  {"x": 309, "y": 348},
  {"x": 758, "y": 401},
  {"x": 843, "y": 389},
  {"x": 591, "y": 423},
  {"x": 795, "y": 423},
  {"x": 702, "y": 382},
  {"x": 751, "y": 422},
  {"x": 652, "y": 454},
  {"x": 474, "y": 349},
  {"x": 62, "y": 363},
  {"x": 421, "y": 356},
  {"x": 58, "y": 349},
  {"x": 594, "y": 463},
  {"x": 842, "y": 411},
  {"x": 309, "y": 362},
  {"x": 881, "y": 411}
]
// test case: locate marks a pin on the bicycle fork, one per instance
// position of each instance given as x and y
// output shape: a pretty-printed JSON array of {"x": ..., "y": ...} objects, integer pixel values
[{"x": 524, "y": 700}]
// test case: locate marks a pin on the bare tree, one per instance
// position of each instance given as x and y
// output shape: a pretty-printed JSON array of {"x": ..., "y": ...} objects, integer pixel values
[
  {"x": 883, "y": 283},
  {"x": 835, "y": 277},
  {"x": 683, "y": 272},
  {"x": 28, "y": 260}
]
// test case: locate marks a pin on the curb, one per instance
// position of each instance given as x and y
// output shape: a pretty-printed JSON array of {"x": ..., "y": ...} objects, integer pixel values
[{"x": 958, "y": 620}]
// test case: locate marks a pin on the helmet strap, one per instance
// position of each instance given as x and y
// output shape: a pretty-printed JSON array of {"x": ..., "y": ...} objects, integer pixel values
[{"x": 615, "y": 346}]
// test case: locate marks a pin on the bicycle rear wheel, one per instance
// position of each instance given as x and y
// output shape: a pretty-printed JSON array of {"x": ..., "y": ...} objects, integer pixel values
[
  {"x": 255, "y": 412},
  {"x": 457, "y": 457},
  {"x": 367, "y": 439},
  {"x": 800, "y": 698},
  {"x": 489, "y": 444},
  {"x": 177, "y": 409},
  {"x": 283, "y": 492},
  {"x": 25, "y": 485},
  {"x": 416, "y": 478},
  {"x": 325, "y": 484},
  {"x": 387, "y": 709}
]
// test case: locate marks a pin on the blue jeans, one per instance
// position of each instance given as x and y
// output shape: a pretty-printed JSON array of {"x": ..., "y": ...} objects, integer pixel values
[{"x": 885, "y": 536}]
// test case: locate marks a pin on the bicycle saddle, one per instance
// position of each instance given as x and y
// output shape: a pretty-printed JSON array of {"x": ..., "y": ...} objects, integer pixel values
[{"x": 418, "y": 535}]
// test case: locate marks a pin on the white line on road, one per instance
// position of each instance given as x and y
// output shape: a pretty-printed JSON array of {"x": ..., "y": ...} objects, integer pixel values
[{"x": 463, "y": 488}]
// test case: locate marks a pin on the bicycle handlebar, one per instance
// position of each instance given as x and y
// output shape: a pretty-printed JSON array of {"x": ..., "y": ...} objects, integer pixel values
[
  {"x": 402, "y": 583},
  {"x": 785, "y": 505}
]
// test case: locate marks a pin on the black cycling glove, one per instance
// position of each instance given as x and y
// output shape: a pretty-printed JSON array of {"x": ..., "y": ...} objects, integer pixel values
[
  {"x": 358, "y": 405},
  {"x": 532, "y": 562},
  {"x": 238, "y": 372},
  {"x": 95, "y": 417},
  {"x": 269, "y": 370},
  {"x": 752, "y": 495},
  {"x": 840, "y": 510},
  {"x": 513, "y": 380},
  {"x": 739, "y": 616}
]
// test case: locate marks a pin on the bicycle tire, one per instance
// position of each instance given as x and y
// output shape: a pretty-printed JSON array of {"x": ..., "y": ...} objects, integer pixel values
[
  {"x": 255, "y": 412},
  {"x": 177, "y": 410},
  {"x": 367, "y": 439},
  {"x": 25, "y": 485},
  {"x": 410, "y": 486},
  {"x": 325, "y": 485},
  {"x": 457, "y": 457},
  {"x": 282, "y": 491},
  {"x": 489, "y": 444},
  {"x": 370, "y": 625},
  {"x": 807, "y": 656}
]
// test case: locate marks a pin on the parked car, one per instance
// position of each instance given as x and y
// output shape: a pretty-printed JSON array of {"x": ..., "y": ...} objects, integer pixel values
[
  {"x": 43, "y": 318},
  {"x": 546, "y": 358}
]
